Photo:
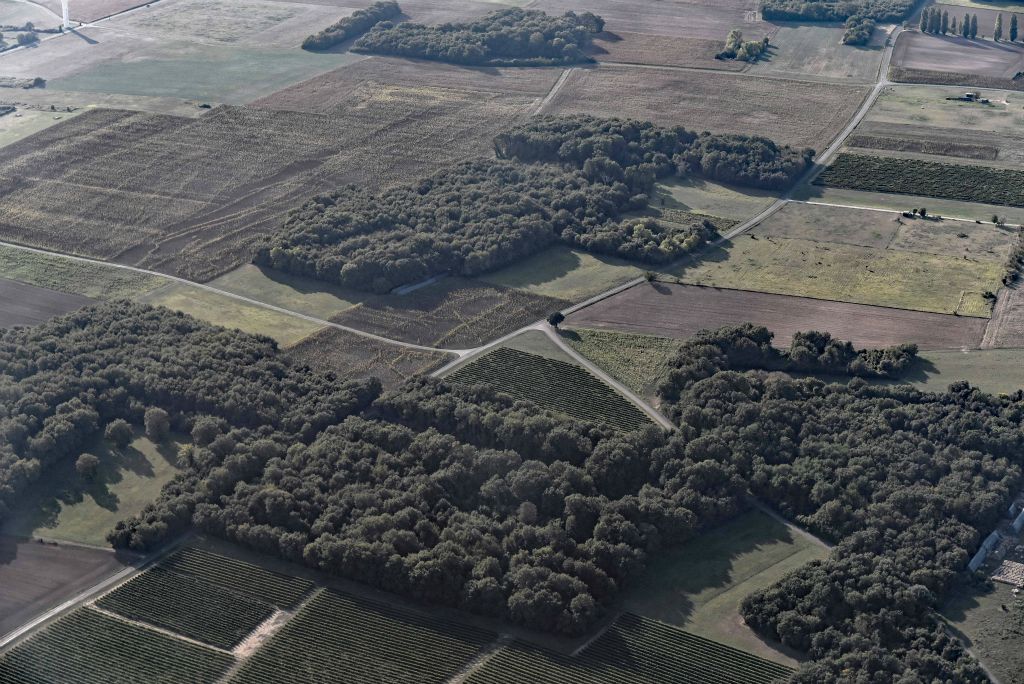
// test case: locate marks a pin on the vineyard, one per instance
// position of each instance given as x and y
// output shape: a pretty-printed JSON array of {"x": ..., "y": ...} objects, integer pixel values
[
  {"x": 634, "y": 651},
  {"x": 930, "y": 179},
  {"x": 370, "y": 642},
  {"x": 88, "y": 647},
  {"x": 553, "y": 385},
  {"x": 189, "y": 606},
  {"x": 240, "y": 577}
]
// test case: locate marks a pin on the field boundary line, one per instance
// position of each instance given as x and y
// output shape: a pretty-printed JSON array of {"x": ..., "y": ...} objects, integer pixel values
[
  {"x": 555, "y": 87},
  {"x": 482, "y": 657},
  {"x": 612, "y": 619},
  {"x": 153, "y": 628},
  {"x": 778, "y": 517},
  {"x": 232, "y": 295}
]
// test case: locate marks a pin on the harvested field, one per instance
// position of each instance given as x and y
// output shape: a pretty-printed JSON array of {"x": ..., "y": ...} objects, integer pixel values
[
  {"x": 1006, "y": 329},
  {"x": 905, "y": 75},
  {"x": 453, "y": 313},
  {"x": 816, "y": 51},
  {"x": 988, "y": 5},
  {"x": 74, "y": 277},
  {"x": 91, "y": 10},
  {"x": 352, "y": 356},
  {"x": 810, "y": 115},
  {"x": 553, "y": 385},
  {"x": 986, "y": 15},
  {"x": 849, "y": 273},
  {"x": 254, "y": 581},
  {"x": 22, "y": 304},
  {"x": 639, "y": 362},
  {"x": 946, "y": 148},
  {"x": 919, "y": 177},
  {"x": 372, "y": 642},
  {"x": 37, "y": 577},
  {"x": 640, "y": 48},
  {"x": 89, "y": 647},
  {"x": 679, "y": 311},
  {"x": 958, "y": 55}
]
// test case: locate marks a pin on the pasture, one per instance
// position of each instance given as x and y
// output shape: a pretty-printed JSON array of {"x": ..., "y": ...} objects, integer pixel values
[
  {"x": 810, "y": 115},
  {"x": 553, "y": 385},
  {"x": 91, "y": 10},
  {"x": 371, "y": 641},
  {"x": 90, "y": 647},
  {"x": 67, "y": 507},
  {"x": 700, "y": 585},
  {"x": 37, "y": 577},
  {"x": 700, "y": 196},
  {"x": 816, "y": 51},
  {"x": 992, "y": 625},
  {"x": 926, "y": 107},
  {"x": 637, "y": 361},
  {"x": 958, "y": 55},
  {"x": 679, "y": 311},
  {"x": 352, "y": 356},
  {"x": 311, "y": 297},
  {"x": 561, "y": 272},
  {"x": 997, "y": 371},
  {"x": 849, "y": 273},
  {"x": 74, "y": 277},
  {"x": 22, "y": 304},
  {"x": 634, "y": 649}
]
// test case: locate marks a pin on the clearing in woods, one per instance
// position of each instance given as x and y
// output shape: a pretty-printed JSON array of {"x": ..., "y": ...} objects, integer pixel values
[
  {"x": 997, "y": 371},
  {"x": 699, "y": 586}
]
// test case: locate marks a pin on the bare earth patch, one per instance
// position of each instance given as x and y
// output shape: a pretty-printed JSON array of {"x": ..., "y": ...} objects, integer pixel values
[{"x": 954, "y": 54}]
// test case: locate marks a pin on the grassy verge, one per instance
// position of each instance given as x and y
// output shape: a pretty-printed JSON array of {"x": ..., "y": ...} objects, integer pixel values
[{"x": 311, "y": 297}]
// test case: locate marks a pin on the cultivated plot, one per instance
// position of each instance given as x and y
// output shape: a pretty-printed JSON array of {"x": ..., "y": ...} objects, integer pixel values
[
  {"x": 816, "y": 51},
  {"x": 986, "y": 14},
  {"x": 806, "y": 114},
  {"x": 74, "y": 277},
  {"x": 22, "y": 304},
  {"x": 1006, "y": 329},
  {"x": 958, "y": 55},
  {"x": 561, "y": 272},
  {"x": 25, "y": 122},
  {"x": 700, "y": 585},
  {"x": 638, "y": 361},
  {"x": 680, "y": 311}
]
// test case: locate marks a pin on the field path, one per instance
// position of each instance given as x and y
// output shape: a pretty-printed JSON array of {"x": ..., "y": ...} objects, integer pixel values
[{"x": 551, "y": 93}]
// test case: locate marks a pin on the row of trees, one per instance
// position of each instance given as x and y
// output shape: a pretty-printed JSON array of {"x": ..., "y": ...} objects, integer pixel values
[
  {"x": 905, "y": 483},
  {"x": 858, "y": 30},
  {"x": 356, "y": 24},
  {"x": 508, "y": 37},
  {"x": 882, "y": 11}
]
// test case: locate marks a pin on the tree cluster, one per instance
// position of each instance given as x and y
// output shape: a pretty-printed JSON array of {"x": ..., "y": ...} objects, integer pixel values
[
  {"x": 356, "y": 24},
  {"x": 640, "y": 150},
  {"x": 905, "y": 483},
  {"x": 882, "y": 11},
  {"x": 507, "y": 37},
  {"x": 858, "y": 30},
  {"x": 743, "y": 50}
]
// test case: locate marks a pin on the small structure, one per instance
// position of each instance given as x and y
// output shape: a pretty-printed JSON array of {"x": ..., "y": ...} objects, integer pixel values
[
  {"x": 1010, "y": 572},
  {"x": 991, "y": 541}
]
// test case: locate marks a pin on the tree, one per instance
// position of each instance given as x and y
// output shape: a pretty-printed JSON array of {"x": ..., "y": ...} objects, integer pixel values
[
  {"x": 1013, "y": 28},
  {"x": 556, "y": 318},
  {"x": 926, "y": 16},
  {"x": 974, "y": 26},
  {"x": 953, "y": 27},
  {"x": 922, "y": 211},
  {"x": 119, "y": 432},
  {"x": 997, "y": 33},
  {"x": 158, "y": 424},
  {"x": 935, "y": 21},
  {"x": 965, "y": 29},
  {"x": 27, "y": 39},
  {"x": 87, "y": 466},
  {"x": 944, "y": 27}
]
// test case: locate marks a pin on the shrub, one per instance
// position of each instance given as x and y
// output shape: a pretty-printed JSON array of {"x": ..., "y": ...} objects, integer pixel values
[
  {"x": 119, "y": 433},
  {"x": 158, "y": 424},
  {"x": 87, "y": 466}
]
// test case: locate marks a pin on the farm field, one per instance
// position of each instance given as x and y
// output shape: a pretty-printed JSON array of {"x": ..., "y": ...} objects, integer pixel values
[
  {"x": 16, "y": 13},
  {"x": 810, "y": 115},
  {"x": 1006, "y": 329},
  {"x": 311, "y": 297},
  {"x": 859, "y": 275},
  {"x": 85, "y": 511},
  {"x": 637, "y": 361},
  {"x": 73, "y": 277},
  {"x": 22, "y": 304},
  {"x": 915, "y": 50},
  {"x": 219, "y": 309},
  {"x": 37, "y": 577},
  {"x": 637, "y": 650},
  {"x": 374, "y": 642},
  {"x": 985, "y": 6},
  {"x": 352, "y": 356},
  {"x": 537, "y": 343},
  {"x": 961, "y": 182},
  {"x": 984, "y": 148},
  {"x": 553, "y": 385},
  {"x": 25, "y": 122},
  {"x": 859, "y": 199},
  {"x": 641, "y": 48},
  {"x": 453, "y": 313},
  {"x": 91, "y": 10},
  {"x": 925, "y": 107},
  {"x": 700, "y": 585},
  {"x": 994, "y": 635},
  {"x": 700, "y": 196},
  {"x": 89, "y": 647},
  {"x": 986, "y": 13},
  {"x": 561, "y": 272},
  {"x": 679, "y": 311},
  {"x": 816, "y": 51},
  {"x": 997, "y": 371},
  {"x": 188, "y": 606},
  {"x": 890, "y": 230}
]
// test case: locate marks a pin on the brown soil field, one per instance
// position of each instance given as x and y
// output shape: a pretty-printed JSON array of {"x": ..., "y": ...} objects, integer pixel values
[
  {"x": 905, "y": 75},
  {"x": 22, "y": 304},
  {"x": 919, "y": 51},
  {"x": 708, "y": 20},
  {"x": 798, "y": 113},
  {"x": 986, "y": 18},
  {"x": 641, "y": 48},
  {"x": 91, "y": 10},
  {"x": 353, "y": 357},
  {"x": 454, "y": 313},
  {"x": 1006, "y": 327},
  {"x": 37, "y": 577},
  {"x": 679, "y": 311}
]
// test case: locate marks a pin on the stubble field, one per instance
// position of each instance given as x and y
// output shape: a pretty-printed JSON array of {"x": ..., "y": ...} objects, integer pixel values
[{"x": 915, "y": 50}]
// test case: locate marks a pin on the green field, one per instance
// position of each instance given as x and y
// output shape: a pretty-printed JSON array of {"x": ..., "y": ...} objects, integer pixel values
[
  {"x": 637, "y": 361},
  {"x": 927, "y": 107},
  {"x": 714, "y": 199},
  {"x": 231, "y": 313},
  {"x": 849, "y": 273},
  {"x": 699, "y": 586},
  {"x": 367, "y": 641},
  {"x": 553, "y": 385},
  {"x": 25, "y": 122},
  {"x": 634, "y": 650},
  {"x": 88, "y": 647},
  {"x": 999, "y": 371},
  {"x": 64, "y": 275},
  {"x": 312, "y": 297},
  {"x": 994, "y": 635},
  {"x": 802, "y": 51},
  {"x": 972, "y": 211},
  {"x": 284, "y": 591},
  {"x": 564, "y": 273},
  {"x": 83, "y": 511}
]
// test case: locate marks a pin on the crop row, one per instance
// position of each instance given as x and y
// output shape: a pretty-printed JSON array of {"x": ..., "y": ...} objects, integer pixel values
[
  {"x": 634, "y": 651},
  {"x": 927, "y": 178},
  {"x": 284, "y": 591},
  {"x": 188, "y": 606},
  {"x": 88, "y": 647},
  {"x": 366, "y": 641},
  {"x": 553, "y": 385}
]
